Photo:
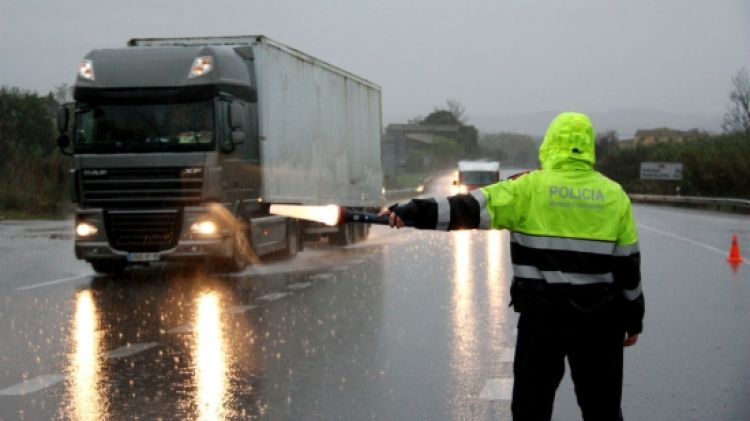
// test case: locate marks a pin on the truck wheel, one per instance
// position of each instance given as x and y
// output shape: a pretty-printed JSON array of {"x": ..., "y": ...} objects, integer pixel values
[
  {"x": 364, "y": 231},
  {"x": 344, "y": 236},
  {"x": 240, "y": 251},
  {"x": 108, "y": 267},
  {"x": 292, "y": 241}
]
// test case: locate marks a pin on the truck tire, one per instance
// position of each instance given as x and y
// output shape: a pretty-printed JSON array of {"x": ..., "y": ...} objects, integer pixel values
[
  {"x": 108, "y": 267},
  {"x": 238, "y": 261},
  {"x": 292, "y": 240},
  {"x": 363, "y": 230},
  {"x": 346, "y": 235}
]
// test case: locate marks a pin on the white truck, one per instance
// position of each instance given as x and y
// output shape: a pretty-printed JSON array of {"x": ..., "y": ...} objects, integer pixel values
[
  {"x": 472, "y": 175},
  {"x": 181, "y": 145}
]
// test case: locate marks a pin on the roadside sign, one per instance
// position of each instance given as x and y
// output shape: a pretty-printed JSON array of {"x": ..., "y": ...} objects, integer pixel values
[{"x": 661, "y": 170}]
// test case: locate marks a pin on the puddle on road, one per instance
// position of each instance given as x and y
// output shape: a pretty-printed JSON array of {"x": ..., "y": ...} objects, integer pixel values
[{"x": 155, "y": 343}]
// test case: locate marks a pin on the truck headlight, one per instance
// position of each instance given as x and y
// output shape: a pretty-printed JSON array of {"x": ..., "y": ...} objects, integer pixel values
[
  {"x": 86, "y": 69},
  {"x": 204, "y": 227},
  {"x": 84, "y": 229},
  {"x": 201, "y": 66}
]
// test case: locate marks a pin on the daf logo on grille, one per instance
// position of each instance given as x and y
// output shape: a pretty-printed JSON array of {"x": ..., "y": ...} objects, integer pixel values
[
  {"x": 94, "y": 173},
  {"x": 192, "y": 171}
]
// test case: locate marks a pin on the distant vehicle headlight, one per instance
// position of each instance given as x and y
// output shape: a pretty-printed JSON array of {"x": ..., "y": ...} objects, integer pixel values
[
  {"x": 204, "y": 227},
  {"x": 86, "y": 69},
  {"x": 84, "y": 229}
]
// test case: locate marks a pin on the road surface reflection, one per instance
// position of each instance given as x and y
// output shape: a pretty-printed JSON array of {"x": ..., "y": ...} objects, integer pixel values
[
  {"x": 161, "y": 349},
  {"x": 85, "y": 383},
  {"x": 496, "y": 286},
  {"x": 209, "y": 356},
  {"x": 465, "y": 360}
]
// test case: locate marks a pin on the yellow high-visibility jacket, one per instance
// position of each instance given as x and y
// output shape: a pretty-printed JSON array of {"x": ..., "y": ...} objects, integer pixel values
[{"x": 574, "y": 242}]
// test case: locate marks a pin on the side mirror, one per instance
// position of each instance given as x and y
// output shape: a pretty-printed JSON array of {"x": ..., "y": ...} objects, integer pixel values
[
  {"x": 63, "y": 141},
  {"x": 236, "y": 116},
  {"x": 62, "y": 119},
  {"x": 226, "y": 147},
  {"x": 237, "y": 125},
  {"x": 238, "y": 137}
]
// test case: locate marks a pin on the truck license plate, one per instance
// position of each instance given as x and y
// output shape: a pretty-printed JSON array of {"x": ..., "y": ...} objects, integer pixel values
[{"x": 143, "y": 257}]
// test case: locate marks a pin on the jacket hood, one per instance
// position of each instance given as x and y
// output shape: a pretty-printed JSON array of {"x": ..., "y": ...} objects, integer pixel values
[{"x": 569, "y": 143}]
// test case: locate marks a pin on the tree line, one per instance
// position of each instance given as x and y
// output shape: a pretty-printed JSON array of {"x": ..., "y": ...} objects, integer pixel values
[
  {"x": 511, "y": 149},
  {"x": 713, "y": 166},
  {"x": 32, "y": 171}
]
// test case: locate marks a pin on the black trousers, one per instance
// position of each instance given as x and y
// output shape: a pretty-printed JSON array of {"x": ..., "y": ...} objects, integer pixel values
[{"x": 595, "y": 356}]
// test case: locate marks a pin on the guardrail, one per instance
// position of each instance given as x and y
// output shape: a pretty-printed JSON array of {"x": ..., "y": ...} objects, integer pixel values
[
  {"x": 721, "y": 204},
  {"x": 401, "y": 193},
  {"x": 411, "y": 192}
]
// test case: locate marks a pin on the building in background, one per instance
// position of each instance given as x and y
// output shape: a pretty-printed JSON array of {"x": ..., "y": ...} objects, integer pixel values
[
  {"x": 664, "y": 135},
  {"x": 411, "y": 148}
]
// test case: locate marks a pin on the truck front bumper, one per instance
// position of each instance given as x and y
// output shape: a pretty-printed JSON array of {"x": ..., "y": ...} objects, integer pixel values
[
  {"x": 188, "y": 249},
  {"x": 189, "y": 245}
]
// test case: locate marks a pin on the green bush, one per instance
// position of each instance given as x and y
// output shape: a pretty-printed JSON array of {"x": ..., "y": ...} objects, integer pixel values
[
  {"x": 408, "y": 181},
  {"x": 712, "y": 166},
  {"x": 32, "y": 171}
]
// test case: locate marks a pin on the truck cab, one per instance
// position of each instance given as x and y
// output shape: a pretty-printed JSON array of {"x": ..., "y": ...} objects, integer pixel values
[{"x": 166, "y": 158}]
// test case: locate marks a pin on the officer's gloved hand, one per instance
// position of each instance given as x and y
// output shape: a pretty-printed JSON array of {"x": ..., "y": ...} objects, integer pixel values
[{"x": 407, "y": 213}]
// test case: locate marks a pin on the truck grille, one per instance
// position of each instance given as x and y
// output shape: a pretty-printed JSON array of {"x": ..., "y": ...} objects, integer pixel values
[
  {"x": 143, "y": 231},
  {"x": 141, "y": 187}
]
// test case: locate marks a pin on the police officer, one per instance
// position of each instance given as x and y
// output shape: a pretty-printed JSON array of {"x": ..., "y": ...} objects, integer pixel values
[{"x": 576, "y": 267}]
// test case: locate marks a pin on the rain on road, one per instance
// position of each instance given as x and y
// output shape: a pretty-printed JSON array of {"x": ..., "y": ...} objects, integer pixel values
[{"x": 407, "y": 325}]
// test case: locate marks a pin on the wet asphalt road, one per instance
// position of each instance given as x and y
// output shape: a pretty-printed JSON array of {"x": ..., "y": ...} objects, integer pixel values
[{"x": 408, "y": 325}]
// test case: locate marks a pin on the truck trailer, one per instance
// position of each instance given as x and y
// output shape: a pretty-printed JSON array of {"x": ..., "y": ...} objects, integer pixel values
[{"x": 180, "y": 146}]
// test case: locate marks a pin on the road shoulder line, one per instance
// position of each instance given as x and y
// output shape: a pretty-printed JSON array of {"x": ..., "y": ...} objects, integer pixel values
[
  {"x": 32, "y": 385},
  {"x": 55, "y": 282},
  {"x": 685, "y": 239}
]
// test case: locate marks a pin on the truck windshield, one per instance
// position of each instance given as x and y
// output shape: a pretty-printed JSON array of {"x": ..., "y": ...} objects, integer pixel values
[
  {"x": 479, "y": 177},
  {"x": 145, "y": 127}
]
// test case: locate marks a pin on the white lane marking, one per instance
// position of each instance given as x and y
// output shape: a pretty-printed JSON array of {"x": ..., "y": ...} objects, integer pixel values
[
  {"x": 298, "y": 286},
  {"x": 507, "y": 355},
  {"x": 32, "y": 385},
  {"x": 497, "y": 390},
  {"x": 341, "y": 268},
  {"x": 688, "y": 240},
  {"x": 273, "y": 296},
  {"x": 181, "y": 329},
  {"x": 240, "y": 309},
  {"x": 323, "y": 277},
  {"x": 130, "y": 349},
  {"x": 55, "y": 282}
]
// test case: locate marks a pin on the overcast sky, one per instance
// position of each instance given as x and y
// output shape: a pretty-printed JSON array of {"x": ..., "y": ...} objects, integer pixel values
[{"x": 496, "y": 57}]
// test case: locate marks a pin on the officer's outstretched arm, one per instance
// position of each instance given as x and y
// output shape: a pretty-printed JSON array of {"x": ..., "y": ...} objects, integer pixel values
[{"x": 463, "y": 211}]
